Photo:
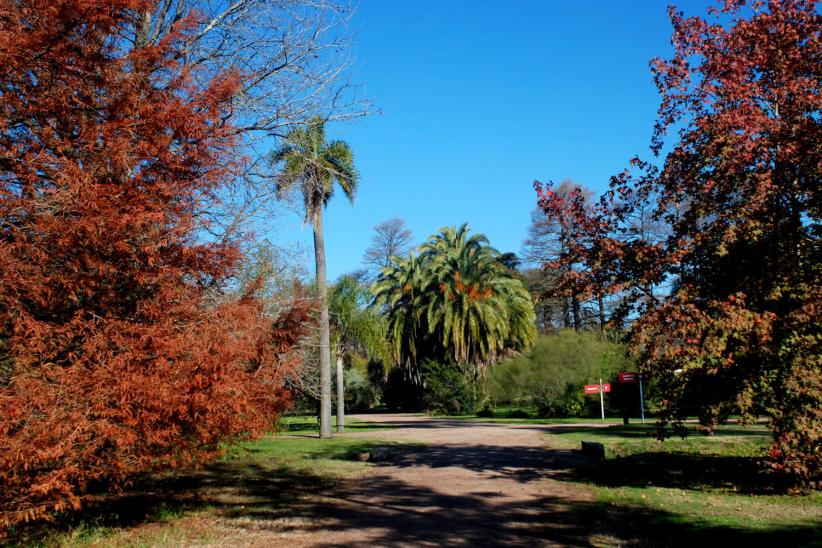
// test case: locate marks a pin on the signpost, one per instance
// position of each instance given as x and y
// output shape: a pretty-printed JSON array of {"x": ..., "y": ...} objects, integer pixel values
[
  {"x": 628, "y": 377},
  {"x": 634, "y": 377},
  {"x": 641, "y": 400},
  {"x": 599, "y": 388}
]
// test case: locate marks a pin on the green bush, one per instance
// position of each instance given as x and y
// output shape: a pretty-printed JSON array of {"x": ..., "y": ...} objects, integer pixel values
[
  {"x": 550, "y": 403},
  {"x": 486, "y": 410},
  {"x": 360, "y": 393},
  {"x": 446, "y": 389},
  {"x": 552, "y": 375}
]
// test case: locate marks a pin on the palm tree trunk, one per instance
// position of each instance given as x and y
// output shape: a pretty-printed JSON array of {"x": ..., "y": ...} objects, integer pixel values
[
  {"x": 325, "y": 335},
  {"x": 476, "y": 374},
  {"x": 340, "y": 395}
]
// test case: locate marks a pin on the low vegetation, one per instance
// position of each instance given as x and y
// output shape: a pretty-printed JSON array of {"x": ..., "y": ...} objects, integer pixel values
[{"x": 551, "y": 376}]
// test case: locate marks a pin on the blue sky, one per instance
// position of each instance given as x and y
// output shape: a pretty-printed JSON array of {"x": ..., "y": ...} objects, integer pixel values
[{"x": 479, "y": 98}]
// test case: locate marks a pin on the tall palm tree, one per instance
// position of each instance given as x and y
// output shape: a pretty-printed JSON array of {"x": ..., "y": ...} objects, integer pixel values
[{"x": 314, "y": 165}]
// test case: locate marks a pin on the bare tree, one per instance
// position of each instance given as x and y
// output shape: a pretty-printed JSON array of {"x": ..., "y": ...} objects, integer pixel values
[
  {"x": 391, "y": 239},
  {"x": 293, "y": 57},
  {"x": 549, "y": 239}
]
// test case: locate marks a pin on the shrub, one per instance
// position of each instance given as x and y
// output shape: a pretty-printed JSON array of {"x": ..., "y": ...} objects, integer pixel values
[
  {"x": 519, "y": 414},
  {"x": 550, "y": 403},
  {"x": 446, "y": 390},
  {"x": 360, "y": 393},
  {"x": 552, "y": 375},
  {"x": 486, "y": 410}
]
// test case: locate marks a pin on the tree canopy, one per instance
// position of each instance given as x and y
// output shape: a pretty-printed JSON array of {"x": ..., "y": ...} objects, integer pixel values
[
  {"x": 735, "y": 207},
  {"x": 454, "y": 302},
  {"x": 121, "y": 351}
]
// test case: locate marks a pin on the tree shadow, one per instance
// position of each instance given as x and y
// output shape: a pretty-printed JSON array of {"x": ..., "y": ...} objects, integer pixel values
[
  {"x": 393, "y": 513},
  {"x": 520, "y": 463},
  {"x": 681, "y": 470},
  {"x": 232, "y": 487},
  {"x": 261, "y": 498},
  {"x": 649, "y": 431}
]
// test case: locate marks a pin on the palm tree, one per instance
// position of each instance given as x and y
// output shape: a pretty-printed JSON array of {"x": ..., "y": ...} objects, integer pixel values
[
  {"x": 355, "y": 327},
  {"x": 314, "y": 165},
  {"x": 477, "y": 309},
  {"x": 397, "y": 294},
  {"x": 454, "y": 302}
]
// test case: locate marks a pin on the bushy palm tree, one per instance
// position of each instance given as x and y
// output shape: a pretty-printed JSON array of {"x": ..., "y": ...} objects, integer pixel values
[
  {"x": 477, "y": 309},
  {"x": 314, "y": 166},
  {"x": 398, "y": 294},
  {"x": 455, "y": 302}
]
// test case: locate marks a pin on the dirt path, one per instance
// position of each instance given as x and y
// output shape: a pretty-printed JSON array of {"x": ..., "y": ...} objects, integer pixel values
[{"x": 471, "y": 484}]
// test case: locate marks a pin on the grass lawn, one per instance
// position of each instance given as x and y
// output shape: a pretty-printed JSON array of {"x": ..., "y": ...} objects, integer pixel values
[{"x": 697, "y": 489}]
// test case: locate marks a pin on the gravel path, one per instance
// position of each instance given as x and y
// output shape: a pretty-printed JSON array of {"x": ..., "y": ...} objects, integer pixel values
[{"x": 470, "y": 484}]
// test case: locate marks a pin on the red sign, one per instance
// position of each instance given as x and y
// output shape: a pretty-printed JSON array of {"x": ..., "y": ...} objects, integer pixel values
[
  {"x": 628, "y": 377},
  {"x": 606, "y": 387},
  {"x": 594, "y": 388}
]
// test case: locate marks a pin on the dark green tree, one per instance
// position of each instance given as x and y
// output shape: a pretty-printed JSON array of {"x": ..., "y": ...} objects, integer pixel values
[{"x": 455, "y": 303}]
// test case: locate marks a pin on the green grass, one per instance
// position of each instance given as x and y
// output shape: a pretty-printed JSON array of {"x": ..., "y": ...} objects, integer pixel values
[
  {"x": 334, "y": 458},
  {"x": 698, "y": 484},
  {"x": 625, "y": 440},
  {"x": 307, "y": 424}
]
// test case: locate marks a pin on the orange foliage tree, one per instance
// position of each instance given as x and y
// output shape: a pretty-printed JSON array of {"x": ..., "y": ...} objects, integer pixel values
[
  {"x": 119, "y": 350},
  {"x": 739, "y": 197}
]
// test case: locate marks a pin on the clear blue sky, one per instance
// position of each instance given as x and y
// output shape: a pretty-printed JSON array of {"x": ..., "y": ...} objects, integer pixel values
[{"x": 481, "y": 97}]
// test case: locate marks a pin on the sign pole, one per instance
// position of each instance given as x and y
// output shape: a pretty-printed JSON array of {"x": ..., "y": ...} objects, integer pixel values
[
  {"x": 641, "y": 400},
  {"x": 601, "y": 400}
]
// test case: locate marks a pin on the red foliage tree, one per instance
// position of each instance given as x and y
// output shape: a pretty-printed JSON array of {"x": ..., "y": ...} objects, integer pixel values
[
  {"x": 118, "y": 352},
  {"x": 740, "y": 195}
]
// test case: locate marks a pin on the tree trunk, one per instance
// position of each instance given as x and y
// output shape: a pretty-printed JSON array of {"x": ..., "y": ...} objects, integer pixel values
[
  {"x": 601, "y": 305},
  {"x": 476, "y": 375},
  {"x": 566, "y": 313},
  {"x": 325, "y": 335},
  {"x": 576, "y": 309},
  {"x": 340, "y": 395}
]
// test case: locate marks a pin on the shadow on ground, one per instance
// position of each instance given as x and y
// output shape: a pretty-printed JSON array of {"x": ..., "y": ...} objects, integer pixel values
[
  {"x": 681, "y": 470},
  {"x": 269, "y": 501}
]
